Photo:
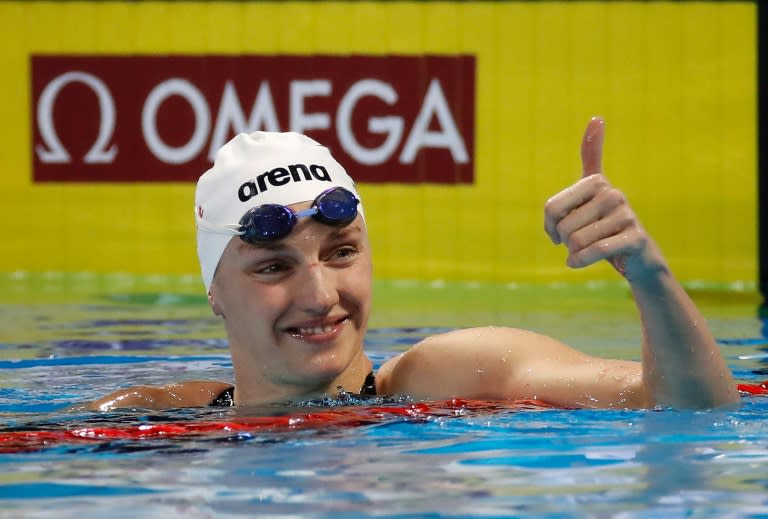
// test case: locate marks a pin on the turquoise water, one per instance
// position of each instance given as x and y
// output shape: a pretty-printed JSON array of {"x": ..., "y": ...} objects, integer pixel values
[{"x": 392, "y": 460}]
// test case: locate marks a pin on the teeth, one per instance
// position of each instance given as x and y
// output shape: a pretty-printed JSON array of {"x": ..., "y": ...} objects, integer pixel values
[{"x": 315, "y": 330}]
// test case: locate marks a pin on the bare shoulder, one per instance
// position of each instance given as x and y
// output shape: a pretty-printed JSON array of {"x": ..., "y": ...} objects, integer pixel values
[
  {"x": 190, "y": 393},
  {"x": 510, "y": 363},
  {"x": 463, "y": 348}
]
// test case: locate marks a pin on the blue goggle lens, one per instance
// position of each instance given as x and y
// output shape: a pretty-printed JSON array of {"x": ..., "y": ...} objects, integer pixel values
[{"x": 336, "y": 207}]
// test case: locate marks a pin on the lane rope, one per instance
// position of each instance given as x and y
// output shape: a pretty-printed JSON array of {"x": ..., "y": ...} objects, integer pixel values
[{"x": 16, "y": 441}]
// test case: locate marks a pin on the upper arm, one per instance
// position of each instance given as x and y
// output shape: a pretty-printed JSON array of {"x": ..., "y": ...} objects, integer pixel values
[
  {"x": 508, "y": 363},
  {"x": 192, "y": 393}
]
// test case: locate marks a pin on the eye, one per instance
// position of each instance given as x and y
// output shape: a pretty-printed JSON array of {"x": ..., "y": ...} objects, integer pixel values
[
  {"x": 344, "y": 254},
  {"x": 271, "y": 268},
  {"x": 274, "y": 268}
]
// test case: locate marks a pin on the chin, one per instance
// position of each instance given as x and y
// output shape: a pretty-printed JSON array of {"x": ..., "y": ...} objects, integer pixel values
[
  {"x": 328, "y": 367},
  {"x": 325, "y": 373}
]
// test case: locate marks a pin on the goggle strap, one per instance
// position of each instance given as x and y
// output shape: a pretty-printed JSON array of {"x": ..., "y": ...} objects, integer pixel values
[
  {"x": 307, "y": 212},
  {"x": 228, "y": 229}
]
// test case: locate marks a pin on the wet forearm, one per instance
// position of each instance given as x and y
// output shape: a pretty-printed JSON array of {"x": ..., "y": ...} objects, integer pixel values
[{"x": 682, "y": 364}]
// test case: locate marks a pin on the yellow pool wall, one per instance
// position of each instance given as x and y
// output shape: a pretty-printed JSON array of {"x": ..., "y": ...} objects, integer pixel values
[{"x": 675, "y": 81}]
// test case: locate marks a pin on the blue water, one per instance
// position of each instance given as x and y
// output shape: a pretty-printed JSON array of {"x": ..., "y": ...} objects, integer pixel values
[{"x": 459, "y": 463}]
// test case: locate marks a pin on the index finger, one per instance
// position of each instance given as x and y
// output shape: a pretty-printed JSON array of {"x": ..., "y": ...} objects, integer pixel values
[{"x": 592, "y": 147}]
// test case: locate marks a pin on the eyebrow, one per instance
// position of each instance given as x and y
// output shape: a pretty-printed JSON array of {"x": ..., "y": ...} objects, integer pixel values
[
  {"x": 347, "y": 229},
  {"x": 273, "y": 246}
]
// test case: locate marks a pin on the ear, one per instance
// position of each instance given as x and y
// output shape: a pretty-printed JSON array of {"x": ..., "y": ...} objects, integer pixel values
[{"x": 214, "y": 305}]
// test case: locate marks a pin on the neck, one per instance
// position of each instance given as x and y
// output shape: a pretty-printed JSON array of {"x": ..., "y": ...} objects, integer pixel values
[{"x": 249, "y": 391}]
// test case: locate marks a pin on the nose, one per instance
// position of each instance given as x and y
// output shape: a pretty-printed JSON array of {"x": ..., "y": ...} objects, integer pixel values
[{"x": 316, "y": 292}]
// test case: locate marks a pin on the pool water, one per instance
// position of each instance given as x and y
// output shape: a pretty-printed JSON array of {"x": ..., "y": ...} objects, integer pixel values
[{"x": 379, "y": 458}]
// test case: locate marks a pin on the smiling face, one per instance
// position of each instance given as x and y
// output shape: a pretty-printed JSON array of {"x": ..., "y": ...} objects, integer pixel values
[{"x": 296, "y": 311}]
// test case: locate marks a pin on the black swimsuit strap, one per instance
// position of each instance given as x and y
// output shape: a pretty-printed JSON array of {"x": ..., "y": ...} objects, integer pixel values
[
  {"x": 227, "y": 397},
  {"x": 369, "y": 385}
]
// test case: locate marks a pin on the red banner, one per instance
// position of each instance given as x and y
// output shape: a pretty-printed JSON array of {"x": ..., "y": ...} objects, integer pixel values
[{"x": 405, "y": 119}]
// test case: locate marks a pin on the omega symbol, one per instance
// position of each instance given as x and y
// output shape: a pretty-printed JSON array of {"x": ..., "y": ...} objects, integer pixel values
[{"x": 53, "y": 152}]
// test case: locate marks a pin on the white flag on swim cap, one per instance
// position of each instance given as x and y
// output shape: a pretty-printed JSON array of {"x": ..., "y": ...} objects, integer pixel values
[{"x": 255, "y": 169}]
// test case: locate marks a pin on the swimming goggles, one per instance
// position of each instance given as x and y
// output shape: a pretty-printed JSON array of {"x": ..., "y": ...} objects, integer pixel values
[{"x": 270, "y": 222}]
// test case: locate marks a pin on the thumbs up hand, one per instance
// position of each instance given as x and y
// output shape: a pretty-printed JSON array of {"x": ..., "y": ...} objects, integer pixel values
[{"x": 594, "y": 220}]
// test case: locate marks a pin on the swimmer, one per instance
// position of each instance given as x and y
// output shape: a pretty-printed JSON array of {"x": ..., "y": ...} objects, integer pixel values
[{"x": 286, "y": 262}]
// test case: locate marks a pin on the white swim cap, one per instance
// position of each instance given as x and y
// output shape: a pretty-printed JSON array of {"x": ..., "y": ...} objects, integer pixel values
[{"x": 251, "y": 170}]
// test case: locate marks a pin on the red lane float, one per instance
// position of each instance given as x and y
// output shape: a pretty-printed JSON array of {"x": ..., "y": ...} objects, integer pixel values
[
  {"x": 34, "y": 440},
  {"x": 754, "y": 389}
]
